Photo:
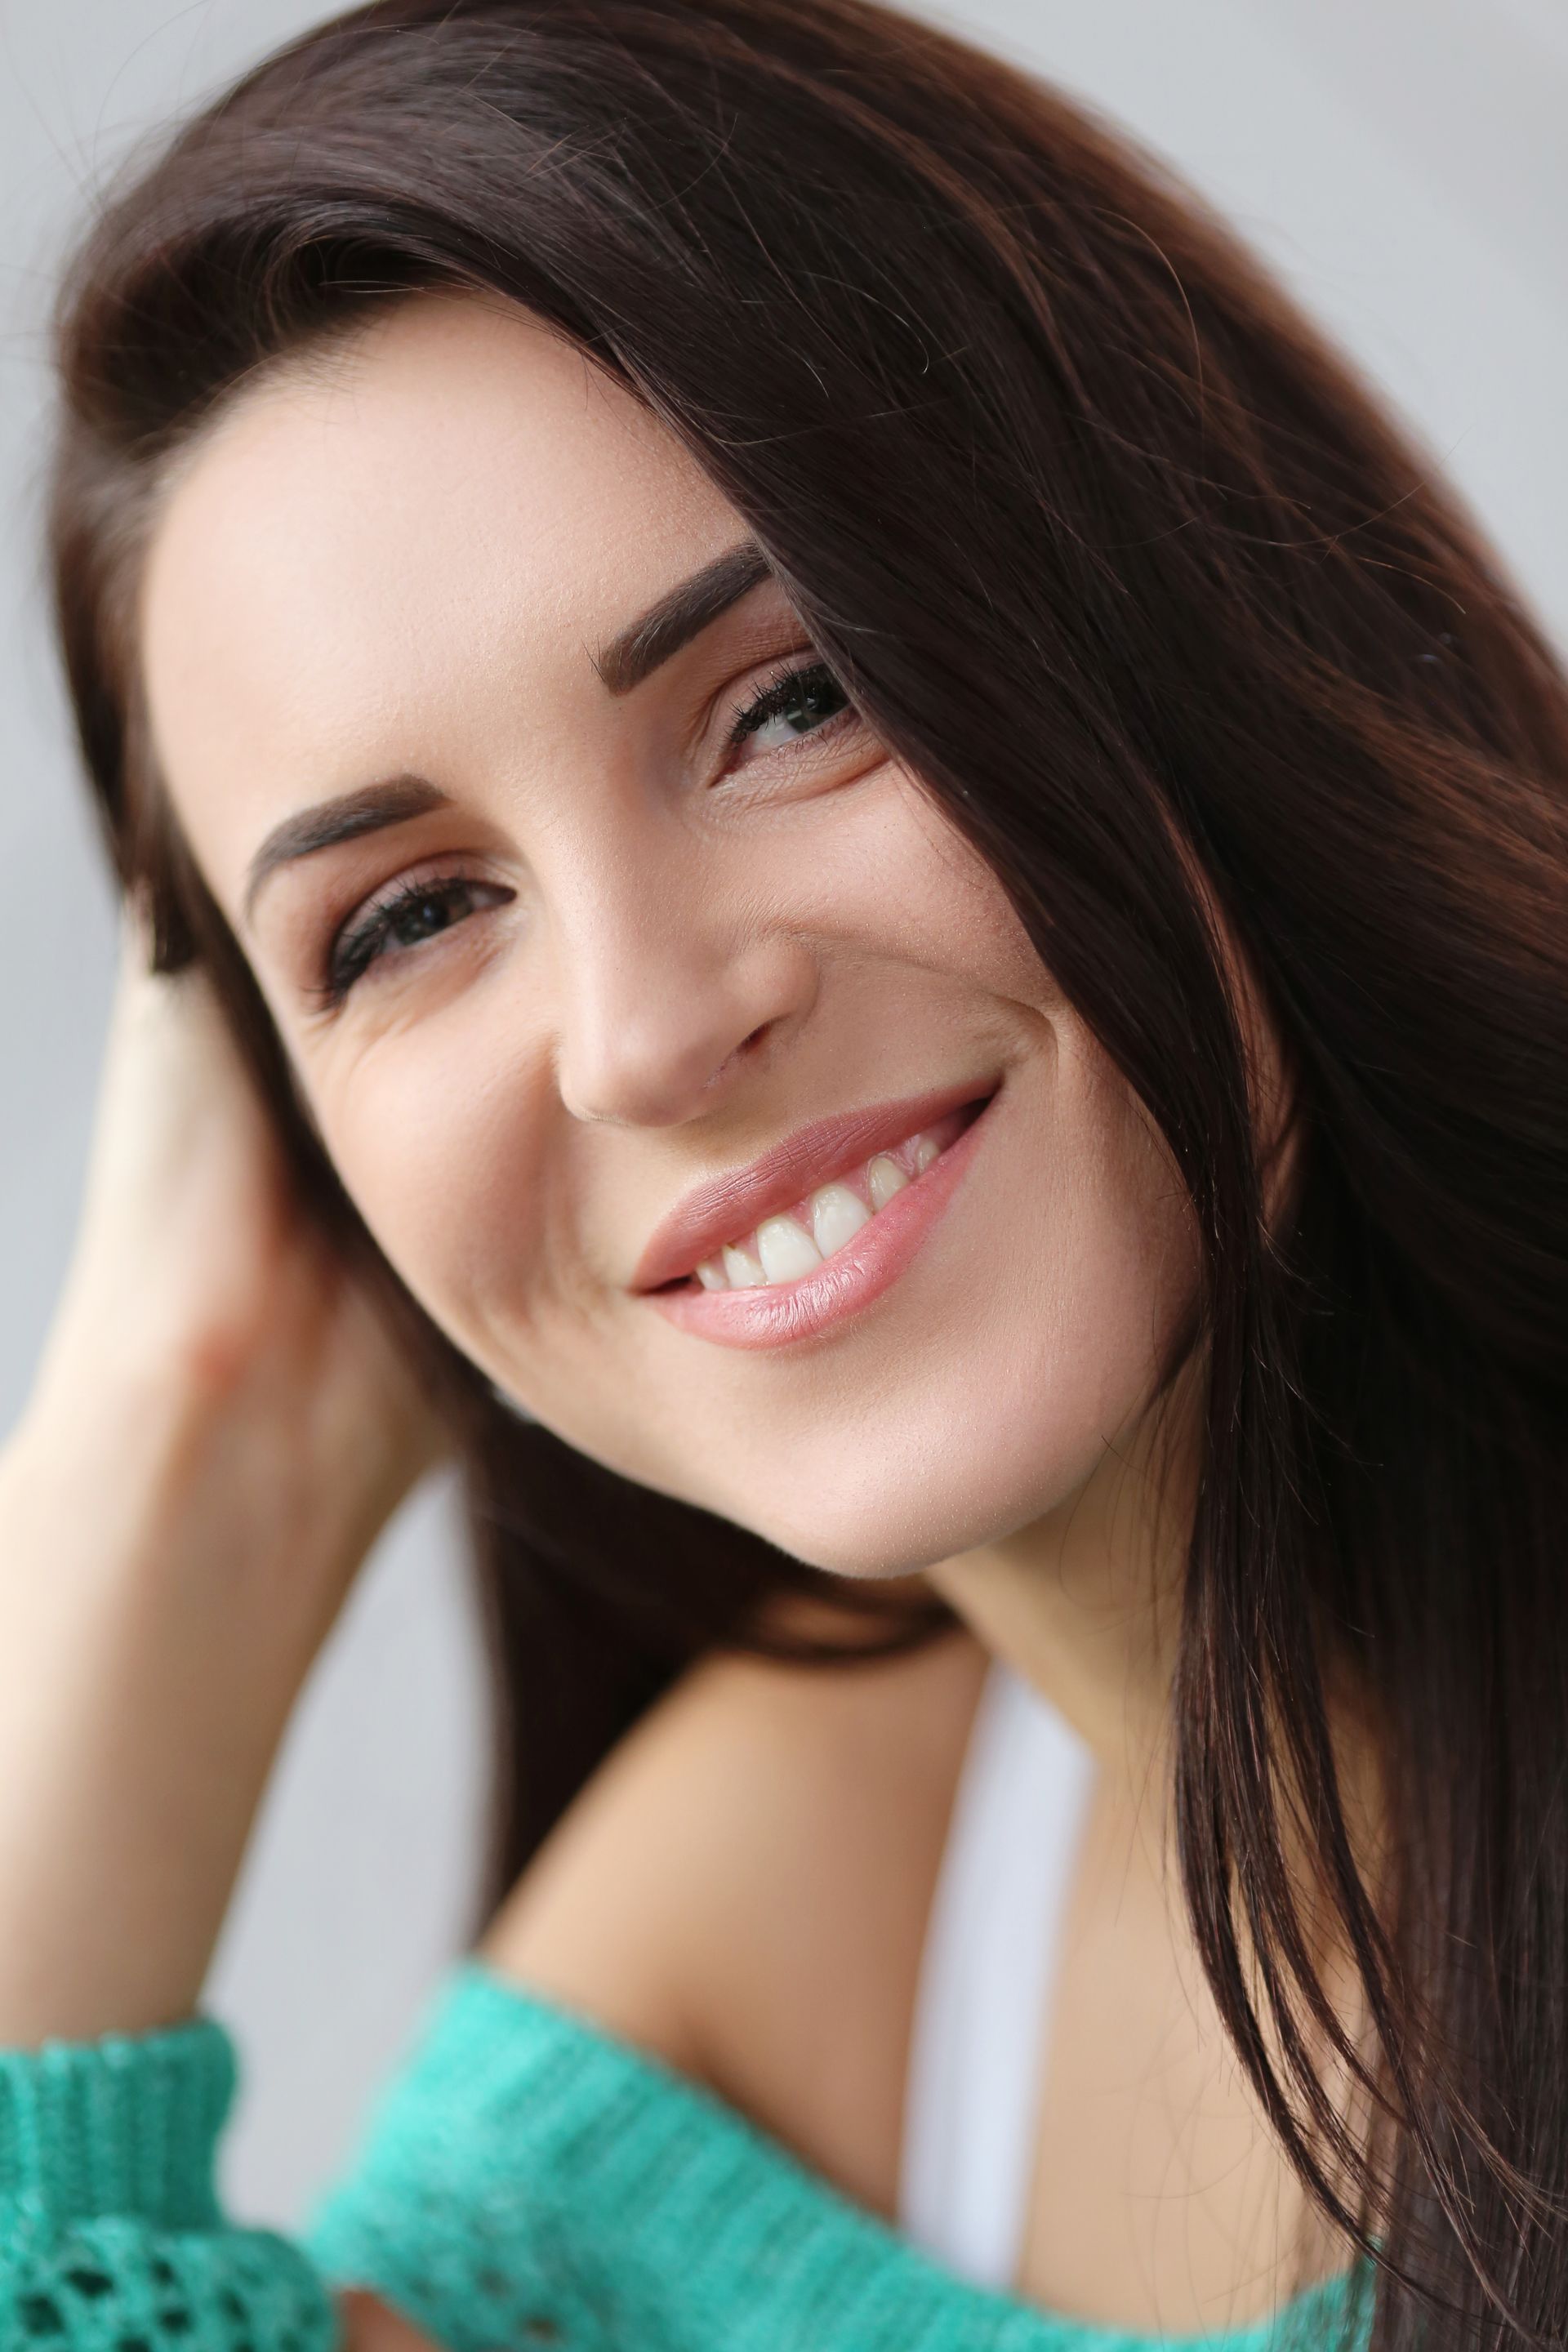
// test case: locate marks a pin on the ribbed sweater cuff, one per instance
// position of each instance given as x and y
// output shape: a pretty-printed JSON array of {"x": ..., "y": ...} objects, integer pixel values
[{"x": 124, "y": 2125}]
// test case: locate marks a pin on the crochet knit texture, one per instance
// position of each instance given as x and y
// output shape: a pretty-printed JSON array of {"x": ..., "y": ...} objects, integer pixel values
[{"x": 527, "y": 2180}]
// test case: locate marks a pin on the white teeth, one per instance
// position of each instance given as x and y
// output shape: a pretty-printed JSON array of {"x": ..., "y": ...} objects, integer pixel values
[
  {"x": 883, "y": 1179},
  {"x": 787, "y": 1249},
  {"x": 743, "y": 1270},
  {"x": 836, "y": 1215},
  {"x": 780, "y": 1250}
]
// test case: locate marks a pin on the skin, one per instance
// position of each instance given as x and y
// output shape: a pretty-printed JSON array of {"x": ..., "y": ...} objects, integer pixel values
[
  {"x": 379, "y": 572},
  {"x": 401, "y": 560}
]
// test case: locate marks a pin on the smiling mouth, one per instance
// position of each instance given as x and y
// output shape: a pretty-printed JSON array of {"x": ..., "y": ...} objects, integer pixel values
[{"x": 785, "y": 1248}]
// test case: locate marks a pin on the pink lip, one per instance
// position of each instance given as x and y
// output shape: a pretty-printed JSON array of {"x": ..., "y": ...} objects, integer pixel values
[
  {"x": 728, "y": 1208},
  {"x": 780, "y": 1313}
]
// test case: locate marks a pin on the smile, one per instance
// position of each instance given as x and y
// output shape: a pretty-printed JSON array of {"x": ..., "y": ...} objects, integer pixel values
[
  {"x": 813, "y": 1263},
  {"x": 783, "y": 1247}
]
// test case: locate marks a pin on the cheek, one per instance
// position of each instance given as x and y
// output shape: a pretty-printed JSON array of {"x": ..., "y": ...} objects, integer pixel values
[
  {"x": 1109, "y": 1269},
  {"x": 899, "y": 882},
  {"x": 439, "y": 1137},
  {"x": 1040, "y": 1350}
]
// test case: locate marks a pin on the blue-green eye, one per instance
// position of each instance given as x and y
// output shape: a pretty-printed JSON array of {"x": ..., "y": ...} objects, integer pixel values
[{"x": 804, "y": 698}]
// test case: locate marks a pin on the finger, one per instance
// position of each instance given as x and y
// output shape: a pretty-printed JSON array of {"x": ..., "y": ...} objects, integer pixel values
[
  {"x": 138, "y": 935},
  {"x": 181, "y": 1003}
]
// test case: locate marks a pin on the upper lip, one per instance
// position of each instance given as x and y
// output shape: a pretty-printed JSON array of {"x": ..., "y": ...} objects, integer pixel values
[{"x": 727, "y": 1207}]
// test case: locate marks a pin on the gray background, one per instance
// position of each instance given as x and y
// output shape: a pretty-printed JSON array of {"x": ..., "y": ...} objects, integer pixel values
[{"x": 1402, "y": 162}]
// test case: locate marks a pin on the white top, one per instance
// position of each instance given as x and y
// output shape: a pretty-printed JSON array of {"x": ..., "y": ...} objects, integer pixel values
[{"x": 987, "y": 1969}]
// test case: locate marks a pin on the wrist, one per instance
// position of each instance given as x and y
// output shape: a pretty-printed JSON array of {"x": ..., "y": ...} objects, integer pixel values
[
  {"x": 144, "y": 1686},
  {"x": 140, "y": 1490},
  {"x": 127, "y": 1436}
]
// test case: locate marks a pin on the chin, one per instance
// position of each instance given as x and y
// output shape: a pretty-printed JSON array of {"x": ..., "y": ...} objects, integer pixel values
[{"x": 922, "y": 1502}]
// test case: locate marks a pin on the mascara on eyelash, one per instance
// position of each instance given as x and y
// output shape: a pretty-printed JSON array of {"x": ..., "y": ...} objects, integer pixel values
[
  {"x": 776, "y": 697},
  {"x": 347, "y": 959}
]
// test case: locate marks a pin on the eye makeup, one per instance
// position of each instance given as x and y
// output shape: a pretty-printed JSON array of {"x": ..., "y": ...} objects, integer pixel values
[
  {"x": 399, "y": 919},
  {"x": 418, "y": 908},
  {"x": 795, "y": 687}
]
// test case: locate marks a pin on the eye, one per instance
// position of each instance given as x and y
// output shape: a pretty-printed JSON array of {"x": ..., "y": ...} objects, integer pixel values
[
  {"x": 398, "y": 922},
  {"x": 799, "y": 699}
]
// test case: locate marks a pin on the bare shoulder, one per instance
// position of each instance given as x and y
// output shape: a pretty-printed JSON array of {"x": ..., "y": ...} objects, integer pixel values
[{"x": 742, "y": 1887}]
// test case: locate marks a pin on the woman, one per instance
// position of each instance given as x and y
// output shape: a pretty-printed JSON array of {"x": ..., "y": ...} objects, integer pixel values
[{"x": 852, "y": 873}]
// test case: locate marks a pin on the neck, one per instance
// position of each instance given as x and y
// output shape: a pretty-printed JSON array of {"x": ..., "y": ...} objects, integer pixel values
[{"x": 1084, "y": 1602}]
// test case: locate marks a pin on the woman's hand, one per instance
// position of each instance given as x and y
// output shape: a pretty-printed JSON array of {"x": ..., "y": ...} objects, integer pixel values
[
  {"x": 218, "y": 1430},
  {"x": 196, "y": 1285}
]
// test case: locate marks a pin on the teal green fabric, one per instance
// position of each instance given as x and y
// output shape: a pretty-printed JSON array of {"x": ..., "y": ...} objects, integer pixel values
[
  {"x": 110, "y": 2235},
  {"x": 526, "y": 2179}
]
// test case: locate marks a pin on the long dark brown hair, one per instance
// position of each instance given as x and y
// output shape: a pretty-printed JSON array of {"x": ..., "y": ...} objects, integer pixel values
[{"x": 1133, "y": 571}]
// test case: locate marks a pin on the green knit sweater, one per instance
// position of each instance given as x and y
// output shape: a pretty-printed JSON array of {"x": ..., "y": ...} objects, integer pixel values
[{"x": 527, "y": 2180}]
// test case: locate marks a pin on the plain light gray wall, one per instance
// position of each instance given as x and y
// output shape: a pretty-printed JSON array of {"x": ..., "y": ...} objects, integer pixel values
[{"x": 1402, "y": 163}]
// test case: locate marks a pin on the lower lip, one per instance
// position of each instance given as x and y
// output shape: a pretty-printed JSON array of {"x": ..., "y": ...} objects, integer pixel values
[{"x": 782, "y": 1314}]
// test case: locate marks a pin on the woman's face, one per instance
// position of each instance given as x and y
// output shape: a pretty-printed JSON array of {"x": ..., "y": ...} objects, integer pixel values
[{"x": 561, "y": 930}]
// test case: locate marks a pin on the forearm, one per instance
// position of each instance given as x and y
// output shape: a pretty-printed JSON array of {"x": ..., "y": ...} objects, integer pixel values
[{"x": 157, "y": 1618}]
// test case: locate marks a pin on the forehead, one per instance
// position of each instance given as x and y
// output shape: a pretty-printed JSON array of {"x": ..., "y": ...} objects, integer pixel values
[{"x": 451, "y": 510}]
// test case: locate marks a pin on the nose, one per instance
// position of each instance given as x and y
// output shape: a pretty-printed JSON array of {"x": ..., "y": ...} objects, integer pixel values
[{"x": 664, "y": 991}]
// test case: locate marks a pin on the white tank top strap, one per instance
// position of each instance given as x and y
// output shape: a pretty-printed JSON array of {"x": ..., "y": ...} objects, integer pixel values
[{"x": 987, "y": 1967}]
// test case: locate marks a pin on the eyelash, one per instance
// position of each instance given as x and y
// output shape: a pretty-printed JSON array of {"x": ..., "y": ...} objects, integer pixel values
[
  {"x": 775, "y": 698},
  {"x": 360, "y": 942}
]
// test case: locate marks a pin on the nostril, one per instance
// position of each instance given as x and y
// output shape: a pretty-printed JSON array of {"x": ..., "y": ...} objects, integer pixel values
[{"x": 744, "y": 1048}]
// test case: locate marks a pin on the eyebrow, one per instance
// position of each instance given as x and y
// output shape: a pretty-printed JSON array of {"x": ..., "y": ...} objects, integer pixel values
[
  {"x": 636, "y": 651},
  {"x": 367, "y": 809},
  {"x": 623, "y": 662}
]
